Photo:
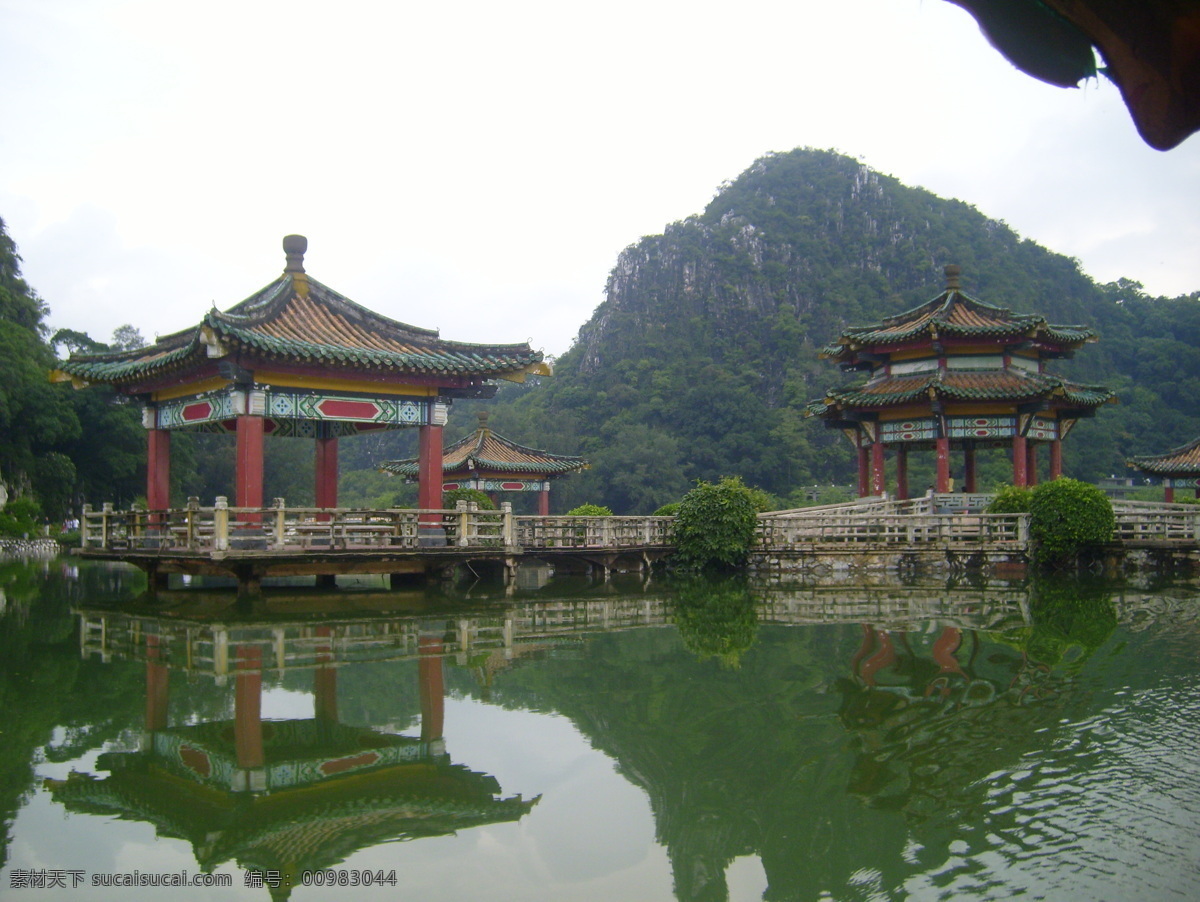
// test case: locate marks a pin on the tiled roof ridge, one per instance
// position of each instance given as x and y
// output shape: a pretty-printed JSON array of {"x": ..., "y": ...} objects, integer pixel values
[
  {"x": 948, "y": 384},
  {"x": 939, "y": 314},
  {"x": 477, "y": 441},
  {"x": 1166, "y": 461}
]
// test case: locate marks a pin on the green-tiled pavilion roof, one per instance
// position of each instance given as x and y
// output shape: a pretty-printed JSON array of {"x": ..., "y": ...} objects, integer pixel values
[
  {"x": 298, "y": 320},
  {"x": 485, "y": 451},
  {"x": 1013, "y": 385},
  {"x": 1182, "y": 460},
  {"x": 955, "y": 314}
]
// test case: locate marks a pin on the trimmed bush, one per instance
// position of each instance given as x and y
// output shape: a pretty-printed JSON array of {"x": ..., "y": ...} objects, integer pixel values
[
  {"x": 589, "y": 510},
  {"x": 715, "y": 526},
  {"x": 1011, "y": 499},
  {"x": 20, "y": 517},
  {"x": 451, "y": 498},
  {"x": 667, "y": 510},
  {"x": 1068, "y": 518}
]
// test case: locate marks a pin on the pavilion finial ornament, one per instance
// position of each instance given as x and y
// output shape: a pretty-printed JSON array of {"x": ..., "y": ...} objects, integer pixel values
[
  {"x": 952, "y": 272},
  {"x": 295, "y": 246}
]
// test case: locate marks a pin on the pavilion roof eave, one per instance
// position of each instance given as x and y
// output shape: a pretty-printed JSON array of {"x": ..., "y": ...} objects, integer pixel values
[
  {"x": 1184, "y": 459},
  {"x": 954, "y": 315},
  {"x": 298, "y": 320},
  {"x": 890, "y": 393}
]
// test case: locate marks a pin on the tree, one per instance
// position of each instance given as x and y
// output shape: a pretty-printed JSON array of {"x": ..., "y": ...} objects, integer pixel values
[
  {"x": 1068, "y": 518},
  {"x": 127, "y": 338},
  {"x": 715, "y": 526}
]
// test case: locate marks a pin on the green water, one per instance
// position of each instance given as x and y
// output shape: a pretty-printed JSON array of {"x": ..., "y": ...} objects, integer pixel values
[{"x": 607, "y": 742}]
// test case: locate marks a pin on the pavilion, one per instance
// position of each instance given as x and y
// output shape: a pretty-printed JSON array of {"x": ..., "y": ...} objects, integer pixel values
[
  {"x": 1178, "y": 468},
  {"x": 491, "y": 463},
  {"x": 297, "y": 358},
  {"x": 956, "y": 374}
]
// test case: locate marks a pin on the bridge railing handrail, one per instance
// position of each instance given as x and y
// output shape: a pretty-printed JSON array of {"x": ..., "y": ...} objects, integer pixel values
[
  {"x": 592, "y": 532},
  {"x": 280, "y": 528}
]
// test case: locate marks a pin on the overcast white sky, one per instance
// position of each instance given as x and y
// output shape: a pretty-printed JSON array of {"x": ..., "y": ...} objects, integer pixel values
[{"x": 477, "y": 166}]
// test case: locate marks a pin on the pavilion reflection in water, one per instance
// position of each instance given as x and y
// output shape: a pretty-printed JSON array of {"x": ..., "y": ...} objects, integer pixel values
[{"x": 281, "y": 797}]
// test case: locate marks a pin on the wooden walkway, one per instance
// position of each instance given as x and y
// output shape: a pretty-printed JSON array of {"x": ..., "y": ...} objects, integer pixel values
[{"x": 252, "y": 544}]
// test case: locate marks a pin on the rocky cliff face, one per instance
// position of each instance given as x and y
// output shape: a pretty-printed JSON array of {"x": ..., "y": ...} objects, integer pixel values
[{"x": 820, "y": 240}]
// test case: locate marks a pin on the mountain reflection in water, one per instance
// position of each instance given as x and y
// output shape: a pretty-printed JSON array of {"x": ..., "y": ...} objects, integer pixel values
[{"x": 786, "y": 742}]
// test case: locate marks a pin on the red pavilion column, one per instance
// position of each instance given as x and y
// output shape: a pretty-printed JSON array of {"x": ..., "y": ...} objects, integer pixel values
[
  {"x": 325, "y": 680},
  {"x": 1168, "y": 492},
  {"x": 878, "y": 475},
  {"x": 943, "y": 464},
  {"x": 429, "y": 468},
  {"x": 544, "y": 501},
  {"x": 1020, "y": 468},
  {"x": 247, "y": 707},
  {"x": 1031, "y": 463},
  {"x": 157, "y": 686},
  {"x": 970, "y": 478},
  {"x": 327, "y": 471},
  {"x": 1055, "y": 459},
  {"x": 158, "y": 469},
  {"x": 901, "y": 472},
  {"x": 864, "y": 483},
  {"x": 249, "y": 476},
  {"x": 431, "y": 687}
]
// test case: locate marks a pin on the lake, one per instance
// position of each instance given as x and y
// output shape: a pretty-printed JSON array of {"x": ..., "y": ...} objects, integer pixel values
[{"x": 564, "y": 739}]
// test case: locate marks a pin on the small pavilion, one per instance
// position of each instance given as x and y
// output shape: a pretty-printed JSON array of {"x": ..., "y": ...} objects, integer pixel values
[
  {"x": 298, "y": 359},
  {"x": 956, "y": 374},
  {"x": 1178, "y": 468},
  {"x": 491, "y": 463}
]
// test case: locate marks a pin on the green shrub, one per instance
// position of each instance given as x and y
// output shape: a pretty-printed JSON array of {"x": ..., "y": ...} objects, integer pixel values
[
  {"x": 451, "y": 498},
  {"x": 69, "y": 538},
  {"x": 1011, "y": 499},
  {"x": 1068, "y": 518},
  {"x": 20, "y": 516},
  {"x": 590, "y": 510},
  {"x": 667, "y": 510},
  {"x": 715, "y": 526}
]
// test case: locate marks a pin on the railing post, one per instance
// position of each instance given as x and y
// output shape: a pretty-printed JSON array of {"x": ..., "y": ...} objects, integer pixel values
[
  {"x": 83, "y": 526},
  {"x": 509, "y": 530},
  {"x": 221, "y": 524},
  {"x": 1023, "y": 530},
  {"x": 193, "y": 507},
  {"x": 280, "y": 522},
  {"x": 105, "y": 514},
  {"x": 464, "y": 509},
  {"x": 133, "y": 526}
]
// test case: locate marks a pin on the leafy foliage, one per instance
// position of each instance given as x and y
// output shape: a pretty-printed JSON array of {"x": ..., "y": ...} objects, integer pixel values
[
  {"x": 451, "y": 498},
  {"x": 20, "y": 517},
  {"x": 1068, "y": 518},
  {"x": 715, "y": 526},
  {"x": 590, "y": 510},
  {"x": 1011, "y": 499}
]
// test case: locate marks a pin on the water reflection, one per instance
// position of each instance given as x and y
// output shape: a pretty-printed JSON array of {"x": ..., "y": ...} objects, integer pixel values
[
  {"x": 282, "y": 796},
  {"x": 857, "y": 742}
]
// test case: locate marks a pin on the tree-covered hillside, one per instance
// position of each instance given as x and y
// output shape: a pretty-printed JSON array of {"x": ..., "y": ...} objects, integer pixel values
[{"x": 701, "y": 359}]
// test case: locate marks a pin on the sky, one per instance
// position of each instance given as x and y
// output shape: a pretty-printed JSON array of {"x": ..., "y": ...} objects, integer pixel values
[{"x": 477, "y": 167}]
